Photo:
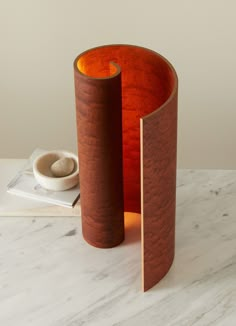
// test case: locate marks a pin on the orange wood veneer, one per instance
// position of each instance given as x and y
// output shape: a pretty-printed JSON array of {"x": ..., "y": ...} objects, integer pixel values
[{"x": 126, "y": 107}]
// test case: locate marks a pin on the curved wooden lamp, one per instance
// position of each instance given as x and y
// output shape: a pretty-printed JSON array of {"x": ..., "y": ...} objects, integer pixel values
[{"x": 126, "y": 107}]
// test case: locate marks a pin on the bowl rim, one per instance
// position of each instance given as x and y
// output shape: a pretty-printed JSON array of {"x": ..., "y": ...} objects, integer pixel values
[{"x": 40, "y": 157}]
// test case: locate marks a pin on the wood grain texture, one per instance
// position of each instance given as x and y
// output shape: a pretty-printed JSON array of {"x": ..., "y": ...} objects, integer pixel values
[
  {"x": 99, "y": 129},
  {"x": 146, "y": 85},
  {"x": 159, "y": 138},
  {"x": 147, "y": 91}
]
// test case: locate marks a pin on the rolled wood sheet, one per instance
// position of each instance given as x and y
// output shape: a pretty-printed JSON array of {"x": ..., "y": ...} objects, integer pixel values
[{"x": 122, "y": 168}]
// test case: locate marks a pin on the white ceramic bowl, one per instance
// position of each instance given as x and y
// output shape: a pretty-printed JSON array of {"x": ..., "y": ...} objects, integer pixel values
[{"x": 44, "y": 176}]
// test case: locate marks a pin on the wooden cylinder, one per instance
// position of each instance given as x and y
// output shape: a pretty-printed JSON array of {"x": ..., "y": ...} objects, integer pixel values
[{"x": 99, "y": 130}]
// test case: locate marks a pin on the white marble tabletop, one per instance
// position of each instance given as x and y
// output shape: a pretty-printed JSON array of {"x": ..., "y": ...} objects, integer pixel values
[{"x": 49, "y": 276}]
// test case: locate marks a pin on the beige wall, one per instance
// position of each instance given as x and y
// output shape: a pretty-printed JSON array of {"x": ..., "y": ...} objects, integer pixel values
[{"x": 39, "y": 40}]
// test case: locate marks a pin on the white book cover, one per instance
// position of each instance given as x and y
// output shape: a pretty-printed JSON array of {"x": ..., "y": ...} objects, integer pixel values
[{"x": 25, "y": 185}]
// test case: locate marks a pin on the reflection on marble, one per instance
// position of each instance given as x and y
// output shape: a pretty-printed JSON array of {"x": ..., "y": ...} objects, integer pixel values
[{"x": 50, "y": 277}]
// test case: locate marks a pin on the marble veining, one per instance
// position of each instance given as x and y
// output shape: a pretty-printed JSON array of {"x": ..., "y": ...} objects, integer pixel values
[{"x": 49, "y": 276}]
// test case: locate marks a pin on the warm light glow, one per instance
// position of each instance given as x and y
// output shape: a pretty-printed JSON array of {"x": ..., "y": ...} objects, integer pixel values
[
  {"x": 126, "y": 106},
  {"x": 147, "y": 83},
  {"x": 96, "y": 68},
  {"x": 132, "y": 220}
]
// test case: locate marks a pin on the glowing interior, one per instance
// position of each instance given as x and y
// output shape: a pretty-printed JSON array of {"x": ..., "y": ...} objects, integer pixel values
[
  {"x": 147, "y": 82},
  {"x": 96, "y": 69}
]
